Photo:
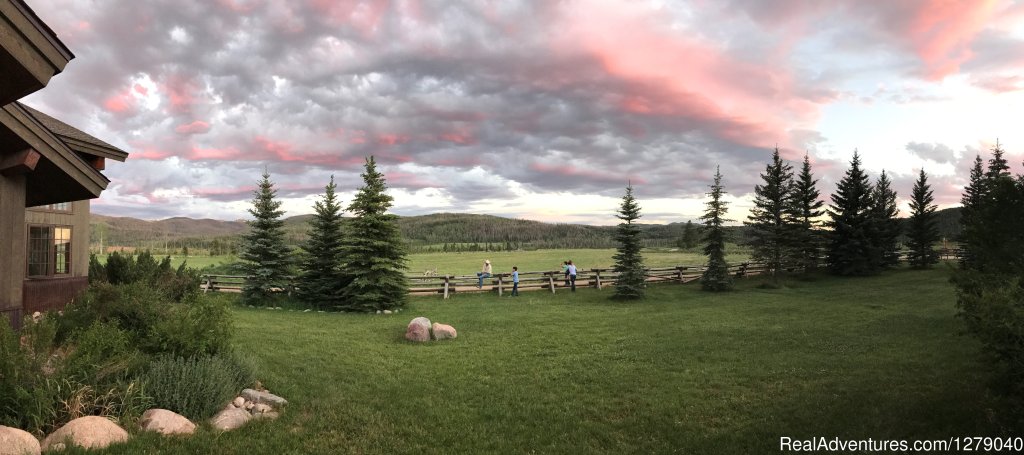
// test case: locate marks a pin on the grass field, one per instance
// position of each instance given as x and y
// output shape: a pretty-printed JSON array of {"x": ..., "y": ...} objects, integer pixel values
[
  {"x": 681, "y": 372},
  {"x": 533, "y": 260}
]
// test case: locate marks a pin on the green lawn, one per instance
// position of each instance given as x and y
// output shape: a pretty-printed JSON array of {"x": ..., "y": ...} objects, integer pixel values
[{"x": 683, "y": 371}]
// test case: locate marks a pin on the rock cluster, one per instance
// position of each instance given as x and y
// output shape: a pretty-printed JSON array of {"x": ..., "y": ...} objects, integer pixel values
[
  {"x": 95, "y": 432},
  {"x": 248, "y": 405},
  {"x": 420, "y": 330}
]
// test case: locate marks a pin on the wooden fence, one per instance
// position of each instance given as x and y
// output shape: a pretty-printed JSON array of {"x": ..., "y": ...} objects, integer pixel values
[{"x": 446, "y": 285}]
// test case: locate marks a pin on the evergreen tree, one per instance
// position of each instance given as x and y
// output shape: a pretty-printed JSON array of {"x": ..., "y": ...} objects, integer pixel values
[
  {"x": 691, "y": 236},
  {"x": 716, "y": 276},
  {"x": 808, "y": 204},
  {"x": 773, "y": 219},
  {"x": 321, "y": 277},
  {"x": 972, "y": 200},
  {"x": 375, "y": 261},
  {"x": 629, "y": 264},
  {"x": 850, "y": 249},
  {"x": 886, "y": 227},
  {"x": 922, "y": 233},
  {"x": 265, "y": 257}
]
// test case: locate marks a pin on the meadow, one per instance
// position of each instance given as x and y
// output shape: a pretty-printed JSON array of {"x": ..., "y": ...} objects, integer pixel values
[
  {"x": 683, "y": 371},
  {"x": 468, "y": 263}
]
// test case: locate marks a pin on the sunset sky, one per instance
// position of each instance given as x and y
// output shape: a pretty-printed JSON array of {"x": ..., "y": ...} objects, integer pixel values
[{"x": 540, "y": 110}]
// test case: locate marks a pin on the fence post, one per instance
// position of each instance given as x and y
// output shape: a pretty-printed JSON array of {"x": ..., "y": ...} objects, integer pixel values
[
  {"x": 551, "y": 281},
  {"x": 679, "y": 273},
  {"x": 499, "y": 285},
  {"x": 208, "y": 284},
  {"x": 446, "y": 286},
  {"x": 597, "y": 278}
]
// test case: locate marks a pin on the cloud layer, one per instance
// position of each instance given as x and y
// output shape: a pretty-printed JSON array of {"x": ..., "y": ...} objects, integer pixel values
[{"x": 485, "y": 106}]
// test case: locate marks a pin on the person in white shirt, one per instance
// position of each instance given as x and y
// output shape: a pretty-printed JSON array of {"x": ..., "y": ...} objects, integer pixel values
[{"x": 484, "y": 273}]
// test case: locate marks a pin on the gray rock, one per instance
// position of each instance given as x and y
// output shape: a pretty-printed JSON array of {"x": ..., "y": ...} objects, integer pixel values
[
  {"x": 256, "y": 396},
  {"x": 14, "y": 441},
  {"x": 378, "y": 311},
  {"x": 230, "y": 419},
  {"x": 90, "y": 432},
  {"x": 166, "y": 422},
  {"x": 387, "y": 311},
  {"x": 307, "y": 310},
  {"x": 421, "y": 321},
  {"x": 444, "y": 331}
]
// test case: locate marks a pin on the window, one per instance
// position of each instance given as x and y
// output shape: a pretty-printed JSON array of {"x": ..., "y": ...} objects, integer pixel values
[
  {"x": 58, "y": 207},
  {"x": 49, "y": 250}
]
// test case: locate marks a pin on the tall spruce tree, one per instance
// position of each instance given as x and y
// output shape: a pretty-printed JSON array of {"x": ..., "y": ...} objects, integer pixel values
[
  {"x": 375, "y": 261},
  {"x": 265, "y": 257},
  {"x": 773, "y": 219},
  {"x": 716, "y": 276},
  {"x": 691, "y": 236},
  {"x": 972, "y": 200},
  {"x": 808, "y": 204},
  {"x": 921, "y": 231},
  {"x": 886, "y": 228},
  {"x": 850, "y": 244},
  {"x": 629, "y": 264},
  {"x": 321, "y": 277}
]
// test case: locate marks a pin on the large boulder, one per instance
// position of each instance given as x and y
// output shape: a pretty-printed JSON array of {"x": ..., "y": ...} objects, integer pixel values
[
  {"x": 418, "y": 333},
  {"x": 14, "y": 441},
  {"x": 421, "y": 321},
  {"x": 444, "y": 331},
  {"x": 90, "y": 432},
  {"x": 166, "y": 422},
  {"x": 257, "y": 396},
  {"x": 230, "y": 419}
]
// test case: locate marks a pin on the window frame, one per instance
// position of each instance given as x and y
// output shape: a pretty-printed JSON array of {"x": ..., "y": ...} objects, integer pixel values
[
  {"x": 51, "y": 253},
  {"x": 51, "y": 208}
]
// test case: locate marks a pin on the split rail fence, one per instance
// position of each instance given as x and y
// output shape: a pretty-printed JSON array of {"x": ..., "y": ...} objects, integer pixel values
[{"x": 447, "y": 285}]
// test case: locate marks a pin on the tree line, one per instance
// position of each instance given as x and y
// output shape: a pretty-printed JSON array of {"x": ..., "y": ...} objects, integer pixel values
[{"x": 358, "y": 265}]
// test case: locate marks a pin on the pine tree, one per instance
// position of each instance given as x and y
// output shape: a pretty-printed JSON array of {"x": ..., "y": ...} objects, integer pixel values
[
  {"x": 886, "y": 228},
  {"x": 972, "y": 200},
  {"x": 691, "y": 236},
  {"x": 321, "y": 277},
  {"x": 375, "y": 261},
  {"x": 922, "y": 233},
  {"x": 850, "y": 248},
  {"x": 773, "y": 219},
  {"x": 716, "y": 276},
  {"x": 808, "y": 204},
  {"x": 265, "y": 257},
  {"x": 997, "y": 165},
  {"x": 629, "y": 264}
]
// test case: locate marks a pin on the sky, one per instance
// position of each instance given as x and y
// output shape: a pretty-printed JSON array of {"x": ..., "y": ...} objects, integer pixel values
[{"x": 542, "y": 110}]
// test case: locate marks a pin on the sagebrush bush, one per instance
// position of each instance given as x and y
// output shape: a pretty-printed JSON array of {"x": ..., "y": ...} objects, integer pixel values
[
  {"x": 176, "y": 284},
  {"x": 196, "y": 387}
]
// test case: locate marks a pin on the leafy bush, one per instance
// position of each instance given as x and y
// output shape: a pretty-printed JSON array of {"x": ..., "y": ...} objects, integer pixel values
[
  {"x": 201, "y": 326},
  {"x": 196, "y": 387},
  {"x": 992, "y": 306},
  {"x": 177, "y": 284},
  {"x": 103, "y": 354}
]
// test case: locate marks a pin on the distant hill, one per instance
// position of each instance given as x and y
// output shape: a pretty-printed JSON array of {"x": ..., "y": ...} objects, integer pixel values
[{"x": 457, "y": 230}]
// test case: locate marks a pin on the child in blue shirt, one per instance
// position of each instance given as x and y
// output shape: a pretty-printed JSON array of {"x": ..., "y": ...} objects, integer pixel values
[{"x": 515, "y": 281}]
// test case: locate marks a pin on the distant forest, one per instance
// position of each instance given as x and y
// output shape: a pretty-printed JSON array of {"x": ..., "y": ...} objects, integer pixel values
[{"x": 436, "y": 232}]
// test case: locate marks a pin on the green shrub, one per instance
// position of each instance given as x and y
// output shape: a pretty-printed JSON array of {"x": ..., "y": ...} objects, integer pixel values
[
  {"x": 103, "y": 354},
  {"x": 198, "y": 327},
  {"x": 196, "y": 387},
  {"x": 992, "y": 306},
  {"x": 176, "y": 284},
  {"x": 135, "y": 308}
]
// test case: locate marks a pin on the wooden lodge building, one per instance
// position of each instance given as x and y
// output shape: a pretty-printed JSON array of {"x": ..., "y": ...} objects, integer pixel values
[{"x": 48, "y": 173}]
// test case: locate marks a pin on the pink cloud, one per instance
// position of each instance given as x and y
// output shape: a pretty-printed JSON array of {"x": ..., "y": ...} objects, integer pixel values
[
  {"x": 1000, "y": 83},
  {"x": 409, "y": 180},
  {"x": 940, "y": 32},
  {"x": 181, "y": 92},
  {"x": 149, "y": 153},
  {"x": 120, "y": 103},
  {"x": 671, "y": 74},
  {"x": 141, "y": 90},
  {"x": 196, "y": 127},
  {"x": 392, "y": 139},
  {"x": 363, "y": 16},
  {"x": 216, "y": 154}
]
